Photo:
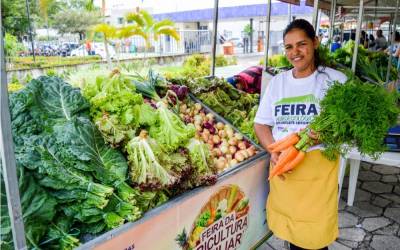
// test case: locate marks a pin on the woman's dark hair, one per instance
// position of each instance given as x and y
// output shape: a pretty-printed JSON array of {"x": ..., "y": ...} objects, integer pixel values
[{"x": 308, "y": 29}]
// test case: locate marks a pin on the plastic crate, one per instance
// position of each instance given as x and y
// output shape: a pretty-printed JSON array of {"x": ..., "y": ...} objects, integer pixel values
[{"x": 392, "y": 139}]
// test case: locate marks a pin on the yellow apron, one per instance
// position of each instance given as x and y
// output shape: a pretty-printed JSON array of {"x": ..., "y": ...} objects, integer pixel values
[{"x": 303, "y": 209}]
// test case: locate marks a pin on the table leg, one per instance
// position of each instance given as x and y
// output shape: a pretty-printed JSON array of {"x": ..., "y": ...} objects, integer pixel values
[
  {"x": 342, "y": 170},
  {"x": 354, "y": 168}
]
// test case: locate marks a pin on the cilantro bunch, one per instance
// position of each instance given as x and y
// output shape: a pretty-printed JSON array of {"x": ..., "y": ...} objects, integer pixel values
[{"x": 358, "y": 115}]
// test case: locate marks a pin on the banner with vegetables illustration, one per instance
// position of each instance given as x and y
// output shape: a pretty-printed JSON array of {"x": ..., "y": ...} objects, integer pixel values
[
  {"x": 222, "y": 222},
  {"x": 229, "y": 215}
]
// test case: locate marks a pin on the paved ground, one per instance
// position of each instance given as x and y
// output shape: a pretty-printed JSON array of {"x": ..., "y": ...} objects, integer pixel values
[{"x": 374, "y": 220}]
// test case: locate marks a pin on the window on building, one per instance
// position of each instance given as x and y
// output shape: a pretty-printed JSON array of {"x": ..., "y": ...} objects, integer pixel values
[{"x": 120, "y": 20}]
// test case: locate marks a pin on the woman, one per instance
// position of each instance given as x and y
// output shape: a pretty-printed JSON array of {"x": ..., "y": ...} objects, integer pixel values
[
  {"x": 394, "y": 49},
  {"x": 302, "y": 205}
]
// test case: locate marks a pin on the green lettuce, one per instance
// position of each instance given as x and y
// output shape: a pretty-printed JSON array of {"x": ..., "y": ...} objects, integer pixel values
[{"x": 170, "y": 131}]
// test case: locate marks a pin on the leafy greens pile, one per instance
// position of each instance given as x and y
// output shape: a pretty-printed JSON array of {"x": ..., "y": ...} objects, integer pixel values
[
  {"x": 355, "y": 114},
  {"x": 370, "y": 64},
  {"x": 157, "y": 159},
  {"x": 69, "y": 159}
]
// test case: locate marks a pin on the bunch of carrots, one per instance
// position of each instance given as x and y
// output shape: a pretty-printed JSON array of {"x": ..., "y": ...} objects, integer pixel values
[{"x": 293, "y": 149}]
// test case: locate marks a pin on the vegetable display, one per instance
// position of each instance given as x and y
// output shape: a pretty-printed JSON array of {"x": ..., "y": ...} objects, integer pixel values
[
  {"x": 237, "y": 107},
  {"x": 55, "y": 140},
  {"x": 354, "y": 114},
  {"x": 102, "y": 156}
]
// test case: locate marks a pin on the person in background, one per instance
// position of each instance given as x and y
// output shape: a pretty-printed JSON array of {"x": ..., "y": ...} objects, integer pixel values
[
  {"x": 88, "y": 46},
  {"x": 249, "y": 80},
  {"x": 380, "y": 41},
  {"x": 302, "y": 206},
  {"x": 394, "y": 49},
  {"x": 363, "y": 39},
  {"x": 371, "y": 41},
  {"x": 336, "y": 44}
]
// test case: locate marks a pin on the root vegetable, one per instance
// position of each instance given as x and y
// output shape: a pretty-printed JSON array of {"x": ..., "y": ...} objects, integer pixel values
[
  {"x": 239, "y": 156},
  {"x": 220, "y": 125},
  {"x": 238, "y": 136},
  {"x": 233, "y": 162},
  {"x": 228, "y": 157},
  {"x": 210, "y": 117},
  {"x": 241, "y": 145},
  {"x": 197, "y": 106},
  {"x": 232, "y": 141},
  {"x": 251, "y": 151},
  {"x": 216, "y": 139},
  {"x": 232, "y": 149},
  {"x": 223, "y": 148},
  {"x": 221, "y": 133}
]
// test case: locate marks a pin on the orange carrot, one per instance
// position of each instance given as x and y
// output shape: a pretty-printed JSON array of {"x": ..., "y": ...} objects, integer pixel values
[
  {"x": 284, "y": 145},
  {"x": 276, "y": 143},
  {"x": 294, "y": 163},
  {"x": 290, "y": 155}
]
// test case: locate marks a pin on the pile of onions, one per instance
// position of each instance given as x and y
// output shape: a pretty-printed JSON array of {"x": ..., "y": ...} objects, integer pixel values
[{"x": 227, "y": 146}]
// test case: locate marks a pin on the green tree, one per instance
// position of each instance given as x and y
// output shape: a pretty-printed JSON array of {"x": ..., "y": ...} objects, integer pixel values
[
  {"x": 11, "y": 45},
  {"x": 76, "y": 21},
  {"x": 14, "y": 17}
]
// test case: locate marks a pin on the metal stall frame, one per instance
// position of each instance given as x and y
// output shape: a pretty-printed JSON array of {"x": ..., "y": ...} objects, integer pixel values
[
  {"x": 214, "y": 37},
  {"x": 9, "y": 171}
]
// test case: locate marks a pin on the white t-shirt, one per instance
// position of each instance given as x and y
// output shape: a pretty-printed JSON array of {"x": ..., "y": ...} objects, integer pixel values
[{"x": 290, "y": 104}]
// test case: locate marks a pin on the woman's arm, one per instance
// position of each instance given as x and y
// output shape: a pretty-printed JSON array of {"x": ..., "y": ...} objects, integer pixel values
[{"x": 264, "y": 136}]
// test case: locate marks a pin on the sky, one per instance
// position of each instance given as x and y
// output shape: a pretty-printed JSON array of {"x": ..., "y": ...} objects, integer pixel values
[{"x": 165, "y": 6}]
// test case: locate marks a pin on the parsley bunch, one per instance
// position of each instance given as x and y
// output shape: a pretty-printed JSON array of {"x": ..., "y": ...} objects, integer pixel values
[{"x": 358, "y": 115}]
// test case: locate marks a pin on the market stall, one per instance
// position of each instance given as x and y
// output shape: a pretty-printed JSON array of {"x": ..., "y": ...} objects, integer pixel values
[{"x": 104, "y": 178}]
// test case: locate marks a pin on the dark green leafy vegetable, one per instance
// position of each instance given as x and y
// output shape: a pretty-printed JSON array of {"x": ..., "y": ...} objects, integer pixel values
[{"x": 355, "y": 114}]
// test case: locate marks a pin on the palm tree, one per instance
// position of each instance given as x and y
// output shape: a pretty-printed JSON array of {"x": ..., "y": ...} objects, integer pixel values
[
  {"x": 44, "y": 10},
  {"x": 150, "y": 27},
  {"x": 129, "y": 31},
  {"x": 108, "y": 32}
]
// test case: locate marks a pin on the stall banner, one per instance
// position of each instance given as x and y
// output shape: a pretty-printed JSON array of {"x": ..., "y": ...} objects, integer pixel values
[{"x": 229, "y": 215}]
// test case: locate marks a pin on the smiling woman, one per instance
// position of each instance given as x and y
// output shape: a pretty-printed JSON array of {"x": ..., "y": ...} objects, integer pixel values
[{"x": 302, "y": 205}]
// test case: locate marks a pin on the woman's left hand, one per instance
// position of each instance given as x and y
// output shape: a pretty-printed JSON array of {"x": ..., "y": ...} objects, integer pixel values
[{"x": 314, "y": 136}]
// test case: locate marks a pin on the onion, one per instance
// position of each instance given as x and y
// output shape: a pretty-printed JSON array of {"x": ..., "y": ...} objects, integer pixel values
[
  {"x": 216, "y": 139},
  {"x": 182, "y": 108},
  {"x": 220, "y": 164},
  {"x": 221, "y": 133},
  {"x": 198, "y": 127},
  {"x": 208, "y": 125},
  {"x": 210, "y": 142},
  {"x": 238, "y": 136},
  {"x": 239, "y": 156},
  {"x": 224, "y": 149},
  {"x": 229, "y": 131},
  {"x": 232, "y": 141},
  {"x": 232, "y": 149},
  {"x": 197, "y": 106},
  {"x": 250, "y": 151},
  {"x": 182, "y": 116},
  {"x": 210, "y": 117},
  {"x": 220, "y": 125},
  {"x": 217, "y": 152},
  {"x": 244, "y": 153},
  {"x": 204, "y": 136},
  {"x": 228, "y": 157},
  {"x": 233, "y": 162},
  {"x": 212, "y": 130},
  {"x": 241, "y": 145},
  {"x": 206, "y": 131}
]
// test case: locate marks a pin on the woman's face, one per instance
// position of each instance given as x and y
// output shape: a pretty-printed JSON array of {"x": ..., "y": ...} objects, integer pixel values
[{"x": 299, "y": 49}]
